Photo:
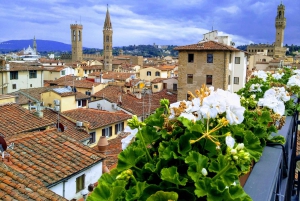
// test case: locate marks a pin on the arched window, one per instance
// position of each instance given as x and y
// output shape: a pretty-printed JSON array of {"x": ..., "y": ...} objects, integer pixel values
[
  {"x": 107, "y": 38},
  {"x": 148, "y": 73},
  {"x": 279, "y": 14},
  {"x": 107, "y": 48},
  {"x": 79, "y": 35},
  {"x": 74, "y": 35},
  {"x": 157, "y": 73}
]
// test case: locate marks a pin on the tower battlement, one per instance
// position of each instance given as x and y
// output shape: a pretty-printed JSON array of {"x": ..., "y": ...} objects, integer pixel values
[{"x": 78, "y": 26}]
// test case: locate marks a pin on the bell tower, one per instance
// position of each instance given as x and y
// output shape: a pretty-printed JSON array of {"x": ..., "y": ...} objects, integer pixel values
[
  {"x": 280, "y": 23},
  {"x": 34, "y": 45},
  {"x": 107, "y": 42},
  {"x": 76, "y": 39}
]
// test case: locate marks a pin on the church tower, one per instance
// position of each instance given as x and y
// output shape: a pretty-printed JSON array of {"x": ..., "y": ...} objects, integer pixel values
[
  {"x": 107, "y": 42},
  {"x": 76, "y": 39},
  {"x": 34, "y": 45},
  {"x": 280, "y": 22}
]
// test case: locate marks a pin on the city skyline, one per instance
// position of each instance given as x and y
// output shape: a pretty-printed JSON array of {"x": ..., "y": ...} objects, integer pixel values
[{"x": 148, "y": 22}]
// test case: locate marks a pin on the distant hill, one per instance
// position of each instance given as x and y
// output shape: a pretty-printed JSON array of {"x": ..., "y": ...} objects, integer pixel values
[{"x": 42, "y": 45}]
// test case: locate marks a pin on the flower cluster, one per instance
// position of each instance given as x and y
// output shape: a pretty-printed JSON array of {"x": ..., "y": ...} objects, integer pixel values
[{"x": 215, "y": 103}]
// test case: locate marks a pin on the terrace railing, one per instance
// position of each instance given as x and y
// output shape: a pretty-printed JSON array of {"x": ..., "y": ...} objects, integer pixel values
[{"x": 273, "y": 176}]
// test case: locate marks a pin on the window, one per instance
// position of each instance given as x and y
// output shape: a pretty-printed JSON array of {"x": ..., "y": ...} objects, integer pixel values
[
  {"x": 209, "y": 79},
  {"x": 230, "y": 58},
  {"x": 210, "y": 58},
  {"x": 236, "y": 80},
  {"x": 14, "y": 75},
  {"x": 80, "y": 183},
  {"x": 81, "y": 103},
  {"x": 189, "y": 79},
  {"x": 148, "y": 73},
  {"x": 74, "y": 37},
  {"x": 14, "y": 86},
  {"x": 32, "y": 74},
  {"x": 63, "y": 72},
  {"x": 228, "y": 79},
  {"x": 79, "y": 35},
  {"x": 85, "y": 71},
  {"x": 30, "y": 85},
  {"x": 188, "y": 96},
  {"x": 119, "y": 127},
  {"x": 190, "y": 58},
  {"x": 92, "y": 138},
  {"x": 155, "y": 86},
  {"x": 107, "y": 38},
  {"x": 237, "y": 60},
  {"x": 157, "y": 73},
  {"x": 107, "y": 131}
]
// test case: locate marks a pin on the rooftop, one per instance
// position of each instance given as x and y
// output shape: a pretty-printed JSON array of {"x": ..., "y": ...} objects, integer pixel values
[
  {"x": 96, "y": 118},
  {"x": 33, "y": 92},
  {"x": 70, "y": 128},
  {"x": 207, "y": 45},
  {"x": 16, "y": 186},
  {"x": 16, "y": 119},
  {"x": 48, "y": 156}
]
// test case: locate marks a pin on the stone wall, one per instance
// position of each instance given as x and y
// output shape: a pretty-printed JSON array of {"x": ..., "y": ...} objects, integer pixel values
[{"x": 219, "y": 70}]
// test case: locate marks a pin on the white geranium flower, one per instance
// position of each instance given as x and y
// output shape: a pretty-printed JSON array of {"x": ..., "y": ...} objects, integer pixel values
[
  {"x": 126, "y": 141},
  {"x": 260, "y": 74},
  {"x": 213, "y": 105},
  {"x": 294, "y": 81},
  {"x": 189, "y": 116},
  {"x": 271, "y": 102},
  {"x": 230, "y": 141},
  {"x": 277, "y": 76},
  {"x": 296, "y": 71},
  {"x": 235, "y": 114},
  {"x": 255, "y": 87},
  {"x": 229, "y": 98},
  {"x": 277, "y": 92}
]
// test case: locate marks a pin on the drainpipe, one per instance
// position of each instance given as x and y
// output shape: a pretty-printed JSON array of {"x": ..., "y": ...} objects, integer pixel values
[
  {"x": 64, "y": 188},
  {"x": 224, "y": 81}
]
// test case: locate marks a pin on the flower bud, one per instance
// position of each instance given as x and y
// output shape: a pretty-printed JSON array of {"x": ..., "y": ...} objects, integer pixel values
[
  {"x": 235, "y": 158},
  {"x": 240, "y": 146},
  {"x": 233, "y": 151},
  {"x": 204, "y": 171}
]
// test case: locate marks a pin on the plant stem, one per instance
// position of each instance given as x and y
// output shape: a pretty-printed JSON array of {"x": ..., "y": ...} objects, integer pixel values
[
  {"x": 137, "y": 168},
  {"x": 227, "y": 167},
  {"x": 148, "y": 155},
  {"x": 134, "y": 179}
]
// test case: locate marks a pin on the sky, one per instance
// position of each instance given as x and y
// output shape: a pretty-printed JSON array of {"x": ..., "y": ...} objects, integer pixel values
[{"x": 144, "y": 22}]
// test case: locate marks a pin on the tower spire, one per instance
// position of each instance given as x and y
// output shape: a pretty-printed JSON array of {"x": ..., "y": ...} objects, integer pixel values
[{"x": 107, "y": 23}]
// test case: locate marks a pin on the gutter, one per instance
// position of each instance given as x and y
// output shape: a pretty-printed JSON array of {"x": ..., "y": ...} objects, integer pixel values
[{"x": 70, "y": 176}]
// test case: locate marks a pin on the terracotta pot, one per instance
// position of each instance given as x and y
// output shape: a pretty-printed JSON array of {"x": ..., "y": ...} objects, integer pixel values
[
  {"x": 102, "y": 144},
  {"x": 244, "y": 178}
]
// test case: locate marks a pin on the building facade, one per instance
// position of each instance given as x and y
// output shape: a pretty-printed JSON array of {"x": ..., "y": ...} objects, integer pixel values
[
  {"x": 107, "y": 43},
  {"x": 210, "y": 63}
]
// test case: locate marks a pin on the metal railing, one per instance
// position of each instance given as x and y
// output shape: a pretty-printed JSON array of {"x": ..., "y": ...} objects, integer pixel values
[{"x": 273, "y": 176}]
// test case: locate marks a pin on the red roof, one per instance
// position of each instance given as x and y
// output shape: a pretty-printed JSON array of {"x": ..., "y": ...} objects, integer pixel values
[
  {"x": 207, "y": 45},
  {"x": 48, "y": 156},
  {"x": 16, "y": 119},
  {"x": 96, "y": 118}
]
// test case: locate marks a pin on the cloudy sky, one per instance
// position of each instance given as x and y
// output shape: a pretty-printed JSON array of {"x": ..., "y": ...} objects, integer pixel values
[{"x": 176, "y": 22}]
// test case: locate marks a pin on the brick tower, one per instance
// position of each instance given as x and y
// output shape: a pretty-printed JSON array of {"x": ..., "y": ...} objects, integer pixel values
[{"x": 280, "y": 23}]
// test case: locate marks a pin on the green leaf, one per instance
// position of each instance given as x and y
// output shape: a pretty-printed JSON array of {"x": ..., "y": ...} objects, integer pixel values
[
  {"x": 221, "y": 163},
  {"x": 196, "y": 162},
  {"x": 130, "y": 157},
  {"x": 149, "y": 134},
  {"x": 186, "y": 122},
  {"x": 203, "y": 187},
  {"x": 150, "y": 166},
  {"x": 252, "y": 145},
  {"x": 163, "y": 196},
  {"x": 171, "y": 175},
  {"x": 107, "y": 193},
  {"x": 236, "y": 193},
  {"x": 109, "y": 178},
  {"x": 184, "y": 145},
  {"x": 136, "y": 191},
  {"x": 167, "y": 150},
  {"x": 277, "y": 139}
]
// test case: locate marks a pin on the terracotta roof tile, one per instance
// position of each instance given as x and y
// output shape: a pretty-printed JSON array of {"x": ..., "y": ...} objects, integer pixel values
[
  {"x": 53, "y": 156},
  {"x": 116, "y": 75},
  {"x": 94, "y": 67},
  {"x": 70, "y": 128},
  {"x": 96, "y": 118},
  {"x": 133, "y": 104},
  {"x": 16, "y": 119},
  {"x": 34, "y": 92},
  {"x": 15, "y": 186},
  {"x": 79, "y": 84},
  {"x": 62, "y": 80},
  {"x": 207, "y": 45}
]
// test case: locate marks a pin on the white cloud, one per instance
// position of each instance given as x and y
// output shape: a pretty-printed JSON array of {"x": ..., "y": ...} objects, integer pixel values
[{"x": 231, "y": 9}]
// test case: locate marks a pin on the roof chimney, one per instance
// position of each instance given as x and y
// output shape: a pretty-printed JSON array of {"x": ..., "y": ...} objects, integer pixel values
[{"x": 102, "y": 144}]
